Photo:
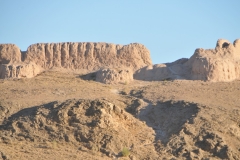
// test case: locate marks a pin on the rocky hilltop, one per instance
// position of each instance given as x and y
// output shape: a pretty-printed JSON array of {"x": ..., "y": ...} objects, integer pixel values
[
  {"x": 90, "y": 56},
  {"x": 219, "y": 64}
]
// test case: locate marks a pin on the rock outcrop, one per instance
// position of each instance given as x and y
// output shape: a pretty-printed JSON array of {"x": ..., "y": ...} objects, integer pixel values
[
  {"x": 11, "y": 65},
  {"x": 169, "y": 71},
  {"x": 9, "y": 53},
  {"x": 91, "y": 56},
  {"x": 22, "y": 70},
  {"x": 111, "y": 76},
  {"x": 93, "y": 125},
  {"x": 73, "y": 56},
  {"x": 219, "y": 64}
]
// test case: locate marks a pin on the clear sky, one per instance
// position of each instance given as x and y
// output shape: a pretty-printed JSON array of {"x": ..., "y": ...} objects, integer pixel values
[{"x": 170, "y": 29}]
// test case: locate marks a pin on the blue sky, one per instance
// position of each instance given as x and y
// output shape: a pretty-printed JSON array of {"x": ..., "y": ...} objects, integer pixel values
[{"x": 170, "y": 29}]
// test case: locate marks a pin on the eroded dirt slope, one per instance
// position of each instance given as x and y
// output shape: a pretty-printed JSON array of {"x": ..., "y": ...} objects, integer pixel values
[{"x": 61, "y": 116}]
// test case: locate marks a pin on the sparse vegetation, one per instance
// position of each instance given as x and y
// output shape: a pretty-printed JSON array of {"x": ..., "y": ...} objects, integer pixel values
[{"x": 125, "y": 152}]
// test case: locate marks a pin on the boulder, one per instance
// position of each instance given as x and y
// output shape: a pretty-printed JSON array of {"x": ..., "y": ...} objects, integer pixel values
[
  {"x": 159, "y": 72},
  {"x": 113, "y": 76}
]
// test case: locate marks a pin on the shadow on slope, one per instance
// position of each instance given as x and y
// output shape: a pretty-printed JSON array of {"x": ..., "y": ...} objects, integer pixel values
[
  {"x": 168, "y": 118},
  {"x": 89, "y": 76}
]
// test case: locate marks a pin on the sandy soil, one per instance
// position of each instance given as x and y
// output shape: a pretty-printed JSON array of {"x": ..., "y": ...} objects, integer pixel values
[{"x": 172, "y": 119}]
